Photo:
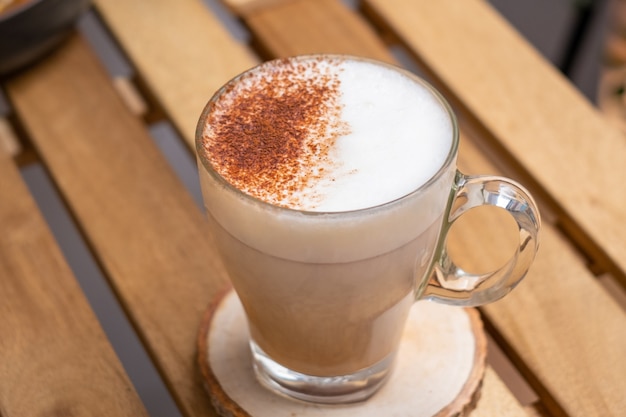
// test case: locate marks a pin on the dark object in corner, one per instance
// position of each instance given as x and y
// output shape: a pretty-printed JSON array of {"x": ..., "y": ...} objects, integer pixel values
[{"x": 30, "y": 30}]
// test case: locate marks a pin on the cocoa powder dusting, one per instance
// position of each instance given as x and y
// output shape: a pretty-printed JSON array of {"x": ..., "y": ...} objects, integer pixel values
[{"x": 270, "y": 133}]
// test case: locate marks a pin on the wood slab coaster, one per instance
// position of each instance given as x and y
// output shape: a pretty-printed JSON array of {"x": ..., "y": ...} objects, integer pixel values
[{"x": 438, "y": 371}]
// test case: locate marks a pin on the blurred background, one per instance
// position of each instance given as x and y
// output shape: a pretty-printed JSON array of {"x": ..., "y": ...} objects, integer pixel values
[{"x": 581, "y": 38}]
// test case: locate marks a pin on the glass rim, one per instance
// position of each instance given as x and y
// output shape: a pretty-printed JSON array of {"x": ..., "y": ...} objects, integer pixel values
[{"x": 450, "y": 157}]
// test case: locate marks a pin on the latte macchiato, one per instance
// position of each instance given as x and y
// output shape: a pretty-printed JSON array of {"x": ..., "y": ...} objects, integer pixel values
[
  {"x": 309, "y": 143},
  {"x": 327, "y": 181}
]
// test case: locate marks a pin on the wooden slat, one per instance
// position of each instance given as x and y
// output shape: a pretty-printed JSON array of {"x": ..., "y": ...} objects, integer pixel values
[
  {"x": 534, "y": 114},
  {"x": 184, "y": 63},
  {"x": 569, "y": 369},
  {"x": 54, "y": 357},
  {"x": 145, "y": 229},
  {"x": 298, "y": 26}
]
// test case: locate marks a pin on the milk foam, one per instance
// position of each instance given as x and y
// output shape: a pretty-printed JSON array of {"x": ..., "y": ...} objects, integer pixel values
[
  {"x": 381, "y": 136},
  {"x": 400, "y": 135}
]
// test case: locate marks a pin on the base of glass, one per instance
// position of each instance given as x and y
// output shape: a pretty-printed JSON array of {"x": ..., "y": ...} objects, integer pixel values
[{"x": 342, "y": 389}]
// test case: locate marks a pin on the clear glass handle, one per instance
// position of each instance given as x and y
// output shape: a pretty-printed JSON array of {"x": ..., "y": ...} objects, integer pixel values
[{"x": 449, "y": 283}]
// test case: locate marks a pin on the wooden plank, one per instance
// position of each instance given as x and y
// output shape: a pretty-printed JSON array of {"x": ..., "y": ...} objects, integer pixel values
[
  {"x": 145, "y": 229},
  {"x": 536, "y": 117},
  {"x": 322, "y": 26},
  {"x": 54, "y": 357},
  {"x": 182, "y": 64}
]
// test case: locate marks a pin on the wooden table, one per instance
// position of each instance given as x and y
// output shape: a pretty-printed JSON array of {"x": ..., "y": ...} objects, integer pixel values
[{"x": 561, "y": 328}]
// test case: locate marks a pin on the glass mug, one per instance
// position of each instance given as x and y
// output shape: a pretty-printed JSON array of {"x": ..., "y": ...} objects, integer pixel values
[{"x": 326, "y": 295}]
